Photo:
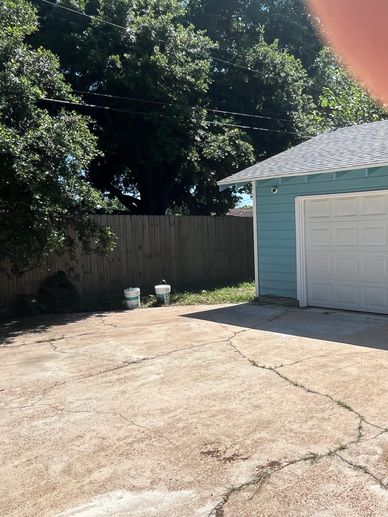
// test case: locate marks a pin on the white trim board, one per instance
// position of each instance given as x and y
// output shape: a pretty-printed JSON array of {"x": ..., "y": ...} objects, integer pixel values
[
  {"x": 255, "y": 248},
  {"x": 300, "y": 226}
]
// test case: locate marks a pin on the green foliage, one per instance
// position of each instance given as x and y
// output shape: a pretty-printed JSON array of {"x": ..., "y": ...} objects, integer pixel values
[
  {"x": 234, "y": 24},
  {"x": 168, "y": 158},
  {"x": 284, "y": 88},
  {"x": 44, "y": 198},
  {"x": 341, "y": 100},
  {"x": 155, "y": 159},
  {"x": 275, "y": 39},
  {"x": 242, "y": 292}
]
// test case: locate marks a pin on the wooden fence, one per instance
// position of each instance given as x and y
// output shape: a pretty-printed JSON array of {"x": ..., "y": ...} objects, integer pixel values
[{"x": 187, "y": 251}]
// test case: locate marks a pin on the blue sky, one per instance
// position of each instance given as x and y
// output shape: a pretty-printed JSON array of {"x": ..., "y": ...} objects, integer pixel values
[{"x": 245, "y": 199}]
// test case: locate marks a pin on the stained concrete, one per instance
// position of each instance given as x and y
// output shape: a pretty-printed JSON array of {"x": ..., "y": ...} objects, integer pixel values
[{"x": 238, "y": 410}]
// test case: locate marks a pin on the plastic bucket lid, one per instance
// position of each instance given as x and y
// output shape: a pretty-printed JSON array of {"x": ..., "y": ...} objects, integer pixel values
[{"x": 162, "y": 289}]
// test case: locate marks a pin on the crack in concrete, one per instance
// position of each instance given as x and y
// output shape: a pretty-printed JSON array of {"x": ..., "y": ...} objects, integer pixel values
[
  {"x": 363, "y": 469},
  {"x": 301, "y": 386},
  {"x": 303, "y": 359},
  {"x": 46, "y": 341},
  {"x": 97, "y": 412},
  {"x": 264, "y": 475},
  {"x": 260, "y": 479},
  {"x": 104, "y": 323},
  {"x": 114, "y": 413},
  {"x": 124, "y": 364},
  {"x": 270, "y": 319},
  {"x": 51, "y": 342}
]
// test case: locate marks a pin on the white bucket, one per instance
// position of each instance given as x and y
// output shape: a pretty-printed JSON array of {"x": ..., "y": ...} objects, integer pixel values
[
  {"x": 163, "y": 293},
  {"x": 132, "y": 297}
]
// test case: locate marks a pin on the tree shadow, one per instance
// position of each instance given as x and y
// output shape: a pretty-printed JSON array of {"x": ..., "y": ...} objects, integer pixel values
[
  {"x": 354, "y": 328},
  {"x": 12, "y": 328}
]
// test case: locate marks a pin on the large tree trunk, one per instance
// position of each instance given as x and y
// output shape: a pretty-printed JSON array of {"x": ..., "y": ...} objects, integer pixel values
[{"x": 154, "y": 189}]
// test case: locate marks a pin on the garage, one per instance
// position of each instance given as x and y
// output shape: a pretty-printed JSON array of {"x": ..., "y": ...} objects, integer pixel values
[
  {"x": 320, "y": 220},
  {"x": 344, "y": 251}
]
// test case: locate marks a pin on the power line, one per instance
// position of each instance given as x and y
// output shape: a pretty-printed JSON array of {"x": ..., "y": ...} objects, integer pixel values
[
  {"x": 135, "y": 99},
  {"x": 90, "y": 16},
  {"x": 132, "y": 112},
  {"x": 161, "y": 103},
  {"x": 236, "y": 65},
  {"x": 102, "y": 20},
  {"x": 225, "y": 124},
  {"x": 84, "y": 104}
]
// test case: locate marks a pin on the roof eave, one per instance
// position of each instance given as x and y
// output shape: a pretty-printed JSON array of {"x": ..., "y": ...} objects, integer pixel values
[{"x": 228, "y": 182}]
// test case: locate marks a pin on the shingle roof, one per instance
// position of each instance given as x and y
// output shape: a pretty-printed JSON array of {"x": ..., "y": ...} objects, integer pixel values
[{"x": 354, "y": 147}]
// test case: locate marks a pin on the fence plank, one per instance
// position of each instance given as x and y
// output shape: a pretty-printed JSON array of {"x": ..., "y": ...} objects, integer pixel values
[{"x": 187, "y": 251}]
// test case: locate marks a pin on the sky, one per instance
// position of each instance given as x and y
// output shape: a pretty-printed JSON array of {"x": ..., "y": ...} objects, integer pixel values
[{"x": 245, "y": 199}]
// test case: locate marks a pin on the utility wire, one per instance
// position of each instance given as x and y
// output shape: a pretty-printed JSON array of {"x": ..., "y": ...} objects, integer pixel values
[
  {"x": 225, "y": 124},
  {"x": 212, "y": 110},
  {"x": 109, "y": 108},
  {"x": 92, "y": 17},
  {"x": 97, "y": 106}
]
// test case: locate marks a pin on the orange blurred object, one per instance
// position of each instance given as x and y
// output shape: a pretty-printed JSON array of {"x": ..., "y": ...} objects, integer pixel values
[{"x": 358, "y": 32}]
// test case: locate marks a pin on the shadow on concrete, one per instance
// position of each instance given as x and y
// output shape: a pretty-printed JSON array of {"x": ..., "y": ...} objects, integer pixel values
[
  {"x": 355, "y": 328},
  {"x": 14, "y": 327}
]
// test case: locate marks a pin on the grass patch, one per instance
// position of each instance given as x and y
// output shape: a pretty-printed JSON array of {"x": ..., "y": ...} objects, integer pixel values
[{"x": 233, "y": 293}]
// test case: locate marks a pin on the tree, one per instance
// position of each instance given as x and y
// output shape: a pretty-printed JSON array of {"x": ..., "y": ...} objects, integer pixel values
[
  {"x": 341, "y": 100},
  {"x": 275, "y": 39},
  {"x": 44, "y": 155},
  {"x": 284, "y": 30},
  {"x": 159, "y": 67},
  {"x": 234, "y": 24},
  {"x": 275, "y": 87},
  {"x": 155, "y": 156}
]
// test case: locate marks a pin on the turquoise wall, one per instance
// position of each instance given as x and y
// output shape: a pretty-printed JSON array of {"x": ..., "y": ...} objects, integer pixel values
[{"x": 276, "y": 220}]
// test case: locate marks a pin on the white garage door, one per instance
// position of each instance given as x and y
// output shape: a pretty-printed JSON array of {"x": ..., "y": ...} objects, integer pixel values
[{"x": 346, "y": 251}]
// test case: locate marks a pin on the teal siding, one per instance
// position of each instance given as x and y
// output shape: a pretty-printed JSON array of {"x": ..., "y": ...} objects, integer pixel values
[{"x": 276, "y": 220}]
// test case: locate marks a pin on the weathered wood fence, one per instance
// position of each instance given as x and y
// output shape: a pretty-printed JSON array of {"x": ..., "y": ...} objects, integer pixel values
[{"x": 187, "y": 251}]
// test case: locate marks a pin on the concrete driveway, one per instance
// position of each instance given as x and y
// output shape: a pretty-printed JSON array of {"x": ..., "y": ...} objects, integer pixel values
[{"x": 237, "y": 410}]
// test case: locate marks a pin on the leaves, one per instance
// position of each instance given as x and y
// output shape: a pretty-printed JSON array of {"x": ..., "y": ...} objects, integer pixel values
[
  {"x": 170, "y": 64},
  {"x": 341, "y": 100},
  {"x": 45, "y": 201}
]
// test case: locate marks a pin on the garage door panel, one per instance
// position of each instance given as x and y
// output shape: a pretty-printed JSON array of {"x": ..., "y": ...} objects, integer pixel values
[
  {"x": 323, "y": 266},
  {"x": 345, "y": 207},
  {"x": 373, "y": 205},
  {"x": 346, "y": 251},
  {"x": 375, "y": 267},
  {"x": 345, "y": 235},
  {"x": 321, "y": 292},
  {"x": 320, "y": 208},
  {"x": 346, "y": 294},
  {"x": 375, "y": 297},
  {"x": 320, "y": 265},
  {"x": 318, "y": 236},
  {"x": 346, "y": 266},
  {"x": 367, "y": 269},
  {"x": 374, "y": 235},
  {"x": 349, "y": 297}
]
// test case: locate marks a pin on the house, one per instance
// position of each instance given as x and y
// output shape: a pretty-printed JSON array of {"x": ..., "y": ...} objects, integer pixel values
[
  {"x": 240, "y": 212},
  {"x": 321, "y": 220}
]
